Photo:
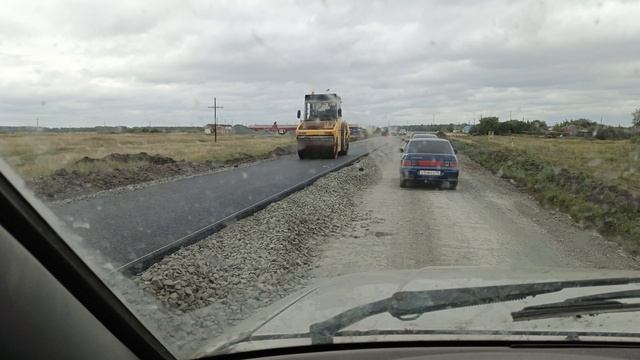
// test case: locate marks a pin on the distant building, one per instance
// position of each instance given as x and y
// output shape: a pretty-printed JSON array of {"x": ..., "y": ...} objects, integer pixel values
[
  {"x": 222, "y": 128},
  {"x": 574, "y": 130},
  {"x": 275, "y": 127},
  {"x": 570, "y": 130}
]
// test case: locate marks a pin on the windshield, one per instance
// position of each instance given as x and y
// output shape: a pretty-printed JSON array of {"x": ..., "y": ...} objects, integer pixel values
[
  {"x": 234, "y": 168},
  {"x": 321, "y": 111}
]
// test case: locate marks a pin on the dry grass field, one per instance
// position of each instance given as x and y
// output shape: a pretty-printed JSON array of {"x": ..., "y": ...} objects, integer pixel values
[{"x": 40, "y": 154}]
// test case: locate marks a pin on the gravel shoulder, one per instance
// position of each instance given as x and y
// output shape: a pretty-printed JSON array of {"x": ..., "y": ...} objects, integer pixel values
[{"x": 486, "y": 222}]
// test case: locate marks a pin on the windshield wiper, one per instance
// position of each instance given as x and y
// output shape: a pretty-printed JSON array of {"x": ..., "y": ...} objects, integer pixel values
[
  {"x": 583, "y": 305},
  {"x": 409, "y": 305}
]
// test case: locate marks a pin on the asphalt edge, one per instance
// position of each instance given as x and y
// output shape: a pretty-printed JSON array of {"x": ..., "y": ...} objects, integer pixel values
[{"x": 144, "y": 262}]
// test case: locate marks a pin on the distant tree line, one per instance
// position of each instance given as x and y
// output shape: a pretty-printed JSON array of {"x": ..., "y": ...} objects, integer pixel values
[
  {"x": 582, "y": 123},
  {"x": 591, "y": 128},
  {"x": 493, "y": 124}
]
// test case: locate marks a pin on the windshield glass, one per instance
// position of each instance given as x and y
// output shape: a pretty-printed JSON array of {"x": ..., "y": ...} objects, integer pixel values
[
  {"x": 235, "y": 168},
  {"x": 321, "y": 111},
  {"x": 429, "y": 147}
]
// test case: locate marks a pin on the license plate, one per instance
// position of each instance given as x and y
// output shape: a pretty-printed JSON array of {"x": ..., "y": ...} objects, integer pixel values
[{"x": 429, "y": 172}]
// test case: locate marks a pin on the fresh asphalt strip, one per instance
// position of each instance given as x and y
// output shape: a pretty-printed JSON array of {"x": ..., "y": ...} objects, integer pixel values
[{"x": 134, "y": 229}]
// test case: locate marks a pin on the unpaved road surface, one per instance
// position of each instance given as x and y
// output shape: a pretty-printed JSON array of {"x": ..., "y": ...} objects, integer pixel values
[{"x": 486, "y": 222}]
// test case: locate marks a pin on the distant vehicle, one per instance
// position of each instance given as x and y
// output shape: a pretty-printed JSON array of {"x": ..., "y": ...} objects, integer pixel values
[
  {"x": 423, "y": 136},
  {"x": 467, "y": 129},
  {"x": 357, "y": 132},
  {"x": 402, "y": 132},
  {"x": 430, "y": 161}
]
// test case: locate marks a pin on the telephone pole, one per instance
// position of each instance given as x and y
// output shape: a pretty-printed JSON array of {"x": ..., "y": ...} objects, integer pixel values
[{"x": 215, "y": 107}]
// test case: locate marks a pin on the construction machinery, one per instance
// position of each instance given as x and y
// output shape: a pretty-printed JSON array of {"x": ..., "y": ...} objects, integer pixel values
[{"x": 322, "y": 132}]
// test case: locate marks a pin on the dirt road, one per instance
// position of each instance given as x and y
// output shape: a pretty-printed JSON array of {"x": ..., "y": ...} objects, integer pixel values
[{"x": 486, "y": 222}]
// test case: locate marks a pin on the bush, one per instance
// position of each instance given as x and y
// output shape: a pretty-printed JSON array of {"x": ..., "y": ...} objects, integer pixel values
[
  {"x": 580, "y": 123},
  {"x": 611, "y": 133}
]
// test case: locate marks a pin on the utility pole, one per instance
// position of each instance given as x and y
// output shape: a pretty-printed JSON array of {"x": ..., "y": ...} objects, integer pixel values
[
  {"x": 509, "y": 114},
  {"x": 37, "y": 122},
  {"x": 215, "y": 107}
]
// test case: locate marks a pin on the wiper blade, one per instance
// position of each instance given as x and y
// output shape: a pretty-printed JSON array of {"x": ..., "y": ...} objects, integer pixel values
[
  {"x": 583, "y": 305},
  {"x": 409, "y": 305}
]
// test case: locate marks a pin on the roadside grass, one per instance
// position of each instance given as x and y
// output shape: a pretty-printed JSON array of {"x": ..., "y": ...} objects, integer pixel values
[
  {"x": 33, "y": 155},
  {"x": 616, "y": 162},
  {"x": 591, "y": 181}
]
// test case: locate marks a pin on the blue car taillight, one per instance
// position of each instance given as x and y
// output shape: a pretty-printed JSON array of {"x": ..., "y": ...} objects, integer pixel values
[{"x": 451, "y": 164}]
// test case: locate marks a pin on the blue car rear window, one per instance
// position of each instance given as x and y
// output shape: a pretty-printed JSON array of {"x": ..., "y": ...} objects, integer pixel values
[{"x": 429, "y": 147}]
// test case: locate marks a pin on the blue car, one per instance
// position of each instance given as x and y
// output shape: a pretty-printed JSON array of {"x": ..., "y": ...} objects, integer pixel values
[{"x": 429, "y": 161}]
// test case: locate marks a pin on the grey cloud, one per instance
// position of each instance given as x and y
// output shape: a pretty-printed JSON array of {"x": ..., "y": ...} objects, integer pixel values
[{"x": 129, "y": 63}]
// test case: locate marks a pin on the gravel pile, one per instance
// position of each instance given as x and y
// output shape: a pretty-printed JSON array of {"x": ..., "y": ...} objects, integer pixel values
[{"x": 252, "y": 263}]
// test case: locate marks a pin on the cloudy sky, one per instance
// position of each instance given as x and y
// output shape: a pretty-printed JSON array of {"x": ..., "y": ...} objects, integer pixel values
[{"x": 84, "y": 63}]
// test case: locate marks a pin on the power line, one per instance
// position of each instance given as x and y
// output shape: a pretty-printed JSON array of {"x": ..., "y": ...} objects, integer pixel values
[{"x": 215, "y": 107}]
